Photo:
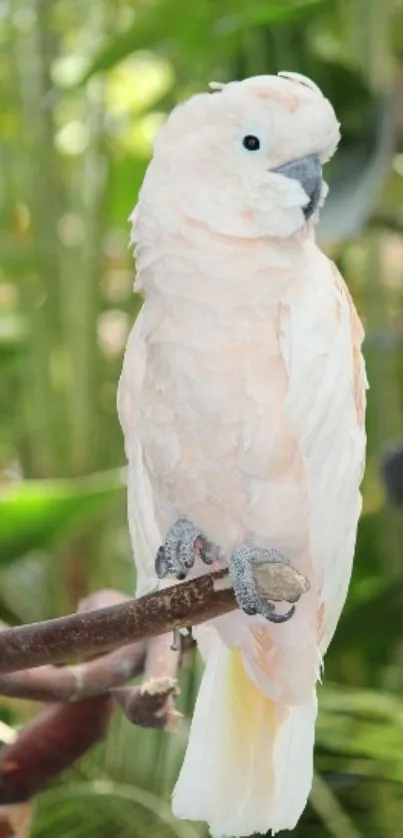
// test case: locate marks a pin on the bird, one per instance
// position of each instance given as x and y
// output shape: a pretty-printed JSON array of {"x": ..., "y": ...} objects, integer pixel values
[{"x": 242, "y": 402}]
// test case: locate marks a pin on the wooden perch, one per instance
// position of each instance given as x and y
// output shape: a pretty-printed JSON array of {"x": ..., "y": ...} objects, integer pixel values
[
  {"x": 92, "y": 632},
  {"x": 85, "y": 680},
  {"x": 62, "y": 733}
]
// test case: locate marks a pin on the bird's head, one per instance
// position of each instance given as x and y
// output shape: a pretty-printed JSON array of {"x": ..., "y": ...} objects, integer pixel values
[{"x": 246, "y": 160}]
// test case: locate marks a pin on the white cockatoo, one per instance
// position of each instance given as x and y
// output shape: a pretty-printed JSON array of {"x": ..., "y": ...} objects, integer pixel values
[{"x": 242, "y": 402}]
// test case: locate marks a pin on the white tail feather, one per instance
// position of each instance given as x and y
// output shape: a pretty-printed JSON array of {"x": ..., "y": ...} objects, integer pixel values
[
  {"x": 248, "y": 766},
  {"x": 293, "y": 761}
]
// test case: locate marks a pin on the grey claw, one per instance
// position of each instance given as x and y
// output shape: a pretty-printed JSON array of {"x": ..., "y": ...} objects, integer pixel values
[
  {"x": 161, "y": 568},
  {"x": 282, "y": 618},
  {"x": 183, "y": 543},
  {"x": 248, "y": 609},
  {"x": 249, "y": 595},
  {"x": 207, "y": 551}
]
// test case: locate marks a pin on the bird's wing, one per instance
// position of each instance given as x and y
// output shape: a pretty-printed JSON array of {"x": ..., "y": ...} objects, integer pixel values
[
  {"x": 144, "y": 532},
  {"x": 325, "y": 409}
]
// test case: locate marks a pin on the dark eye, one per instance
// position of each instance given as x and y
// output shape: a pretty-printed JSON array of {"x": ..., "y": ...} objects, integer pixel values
[{"x": 251, "y": 142}]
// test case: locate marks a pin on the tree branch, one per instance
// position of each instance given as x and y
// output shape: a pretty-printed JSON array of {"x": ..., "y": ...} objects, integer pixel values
[
  {"x": 181, "y": 605},
  {"x": 153, "y": 703},
  {"x": 86, "y": 680},
  {"x": 49, "y": 744},
  {"x": 76, "y": 683},
  {"x": 61, "y": 733},
  {"x": 15, "y": 820}
]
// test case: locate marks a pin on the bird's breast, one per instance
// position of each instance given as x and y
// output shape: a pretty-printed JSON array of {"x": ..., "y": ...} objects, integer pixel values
[{"x": 212, "y": 425}]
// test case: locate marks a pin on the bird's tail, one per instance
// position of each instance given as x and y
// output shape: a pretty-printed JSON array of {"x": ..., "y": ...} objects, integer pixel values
[{"x": 249, "y": 762}]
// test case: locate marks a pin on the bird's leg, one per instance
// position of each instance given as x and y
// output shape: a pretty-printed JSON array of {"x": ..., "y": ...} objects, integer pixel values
[
  {"x": 247, "y": 573},
  {"x": 176, "y": 640},
  {"x": 183, "y": 544}
]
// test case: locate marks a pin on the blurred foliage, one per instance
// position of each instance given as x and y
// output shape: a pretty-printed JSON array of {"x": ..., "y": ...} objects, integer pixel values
[{"x": 83, "y": 88}]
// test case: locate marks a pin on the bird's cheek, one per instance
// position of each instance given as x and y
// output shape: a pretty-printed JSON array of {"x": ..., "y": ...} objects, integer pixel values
[
  {"x": 285, "y": 193},
  {"x": 278, "y": 207}
]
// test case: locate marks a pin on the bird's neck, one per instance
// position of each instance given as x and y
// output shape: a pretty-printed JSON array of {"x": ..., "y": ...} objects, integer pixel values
[{"x": 198, "y": 258}]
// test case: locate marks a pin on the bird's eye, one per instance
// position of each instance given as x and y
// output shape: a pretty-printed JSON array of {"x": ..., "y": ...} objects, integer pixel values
[{"x": 251, "y": 143}]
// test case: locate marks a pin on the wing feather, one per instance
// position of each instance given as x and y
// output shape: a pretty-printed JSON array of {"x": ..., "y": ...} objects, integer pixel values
[
  {"x": 144, "y": 532},
  {"x": 325, "y": 408}
]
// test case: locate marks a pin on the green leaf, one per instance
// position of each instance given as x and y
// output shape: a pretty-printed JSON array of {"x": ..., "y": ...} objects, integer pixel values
[
  {"x": 186, "y": 27},
  {"x": 152, "y": 27},
  {"x": 269, "y": 14},
  {"x": 326, "y": 805},
  {"x": 118, "y": 803},
  {"x": 362, "y": 725},
  {"x": 33, "y": 514},
  {"x": 13, "y": 328}
]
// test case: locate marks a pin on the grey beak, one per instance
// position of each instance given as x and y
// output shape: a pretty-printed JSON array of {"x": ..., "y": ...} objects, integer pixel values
[{"x": 308, "y": 171}]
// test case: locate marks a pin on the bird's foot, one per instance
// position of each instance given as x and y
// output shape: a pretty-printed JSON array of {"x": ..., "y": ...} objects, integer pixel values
[
  {"x": 183, "y": 544},
  {"x": 247, "y": 570}
]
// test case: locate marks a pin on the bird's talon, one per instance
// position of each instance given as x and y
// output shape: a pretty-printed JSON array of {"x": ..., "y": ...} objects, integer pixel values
[
  {"x": 282, "y": 618},
  {"x": 251, "y": 612},
  {"x": 160, "y": 563},
  {"x": 176, "y": 640},
  {"x": 246, "y": 571},
  {"x": 205, "y": 552},
  {"x": 183, "y": 544}
]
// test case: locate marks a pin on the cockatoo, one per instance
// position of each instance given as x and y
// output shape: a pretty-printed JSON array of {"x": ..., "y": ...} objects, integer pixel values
[{"x": 242, "y": 402}]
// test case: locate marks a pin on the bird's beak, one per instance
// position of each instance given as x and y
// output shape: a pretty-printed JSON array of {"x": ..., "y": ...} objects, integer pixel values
[{"x": 308, "y": 171}]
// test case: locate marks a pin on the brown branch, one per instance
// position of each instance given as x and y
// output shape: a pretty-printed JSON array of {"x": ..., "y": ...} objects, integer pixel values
[
  {"x": 86, "y": 680},
  {"x": 85, "y": 633},
  {"x": 54, "y": 739},
  {"x": 188, "y": 603},
  {"x": 58, "y": 735},
  {"x": 149, "y": 705},
  {"x": 76, "y": 683},
  {"x": 61, "y": 733},
  {"x": 153, "y": 703},
  {"x": 15, "y": 820}
]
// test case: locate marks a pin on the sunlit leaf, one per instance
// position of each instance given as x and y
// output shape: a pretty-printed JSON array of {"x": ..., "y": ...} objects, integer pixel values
[
  {"x": 13, "y": 331},
  {"x": 35, "y": 513}
]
